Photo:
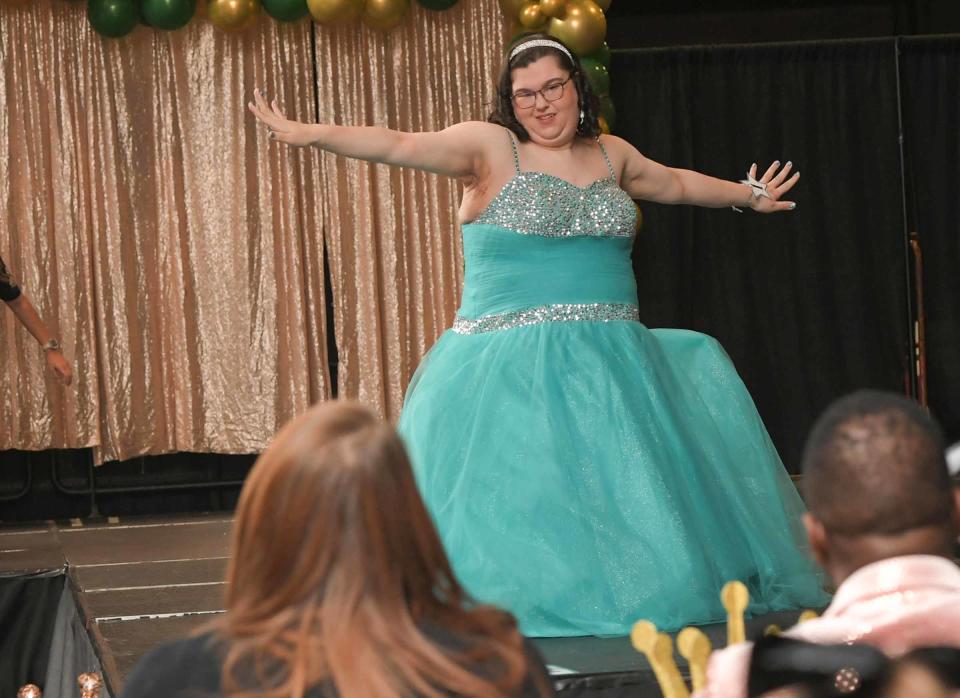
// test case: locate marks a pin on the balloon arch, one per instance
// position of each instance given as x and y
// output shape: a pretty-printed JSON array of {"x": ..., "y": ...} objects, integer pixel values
[{"x": 581, "y": 24}]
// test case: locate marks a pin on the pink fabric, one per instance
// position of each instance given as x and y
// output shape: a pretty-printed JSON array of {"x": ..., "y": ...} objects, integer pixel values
[{"x": 894, "y": 605}]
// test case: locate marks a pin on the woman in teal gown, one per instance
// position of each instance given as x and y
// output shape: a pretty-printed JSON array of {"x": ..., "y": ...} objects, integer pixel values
[{"x": 584, "y": 472}]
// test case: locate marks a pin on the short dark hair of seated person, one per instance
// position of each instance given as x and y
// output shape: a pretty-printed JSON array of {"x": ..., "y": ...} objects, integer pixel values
[
  {"x": 815, "y": 670},
  {"x": 876, "y": 484},
  {"x": 338, "y": 585},
  {"x": 9, "y": 291}
]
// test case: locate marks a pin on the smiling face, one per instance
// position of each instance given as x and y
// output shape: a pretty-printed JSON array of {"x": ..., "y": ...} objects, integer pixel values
[{"x": 549, "y": 123}]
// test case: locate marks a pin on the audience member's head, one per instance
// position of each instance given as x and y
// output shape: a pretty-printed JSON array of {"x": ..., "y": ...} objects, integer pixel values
[
  {"x": 876, "y": 484},
  {"x": 336, "y": 570}
]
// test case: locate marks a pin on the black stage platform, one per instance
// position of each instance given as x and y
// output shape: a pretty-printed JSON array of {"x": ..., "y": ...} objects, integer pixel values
[{"x": 140, "y": 581}]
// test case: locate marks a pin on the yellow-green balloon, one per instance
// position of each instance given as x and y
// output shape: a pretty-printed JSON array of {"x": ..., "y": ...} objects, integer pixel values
[
  {"x": 582, "y": 29},
  {"x": 335, "y": 11},
  {"x": 233, "y": 15},
  {"x": 532, "y": 17},
  {"x": 384, "y": 14},
  {"x": 553, "y": 8}
]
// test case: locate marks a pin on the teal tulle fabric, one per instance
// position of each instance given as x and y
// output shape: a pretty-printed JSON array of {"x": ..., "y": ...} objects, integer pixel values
[{"x": 588, "y": 473}]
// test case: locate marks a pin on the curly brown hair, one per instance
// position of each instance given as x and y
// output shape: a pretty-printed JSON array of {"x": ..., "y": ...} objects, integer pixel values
[{"x": 587, "y": 100}]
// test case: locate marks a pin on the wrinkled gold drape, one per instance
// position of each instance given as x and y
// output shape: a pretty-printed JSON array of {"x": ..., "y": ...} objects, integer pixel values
[
  {"x": 177, "y": 254},
  {"x": 392, "y": 235}
]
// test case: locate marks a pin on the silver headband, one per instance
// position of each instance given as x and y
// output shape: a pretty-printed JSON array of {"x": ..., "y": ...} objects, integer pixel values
[{"x": 534, "y": 43}]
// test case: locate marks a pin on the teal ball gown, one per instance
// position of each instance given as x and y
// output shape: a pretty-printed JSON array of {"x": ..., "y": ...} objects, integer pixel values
[{"x": 584, "y": 471}]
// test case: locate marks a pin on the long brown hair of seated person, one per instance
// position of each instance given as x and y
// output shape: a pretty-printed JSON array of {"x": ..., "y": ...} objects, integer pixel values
[{"x": 336, "y": 570}]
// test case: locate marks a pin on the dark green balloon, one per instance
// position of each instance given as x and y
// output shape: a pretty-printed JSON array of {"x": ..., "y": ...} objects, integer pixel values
[
  {"x": 285, "y": 10},
  {"x": 602, "y": 54},
  {"x": 113, "y": 18},
  {"x": 168, "y": 14},
  {"x": 608, "y": 111},
  {"x": 597, "y": 74},
  {"x": 438, "y": 4}
]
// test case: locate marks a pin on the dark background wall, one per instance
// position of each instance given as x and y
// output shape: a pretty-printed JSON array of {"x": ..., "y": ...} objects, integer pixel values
[
  {"x": 648, "y": 23},
  {"x": 814, "y": 306}
]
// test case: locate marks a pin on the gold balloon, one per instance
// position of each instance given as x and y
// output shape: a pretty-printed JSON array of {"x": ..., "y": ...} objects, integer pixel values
[
  {"x": 233, "y": 15},
  {"x": 385, "y": 14},
  {"x": 603, "y": 4},
  {"x": 511, "y": 8},
  {"x": 532, "y": 17},
  {"x": 582, "y": 29},
  {"x": 335, "y": 11},
  {"x": 553, "y": 8},
  {"x": 604, "y": 126}
]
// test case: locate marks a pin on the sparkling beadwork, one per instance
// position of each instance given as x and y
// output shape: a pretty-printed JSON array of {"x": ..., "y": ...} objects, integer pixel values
[
  {"x": 572, "y": 312},
  {"x": 537, "y": 203}
]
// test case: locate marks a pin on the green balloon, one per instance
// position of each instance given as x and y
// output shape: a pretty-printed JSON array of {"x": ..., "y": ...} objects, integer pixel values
[
  {"x": 602, "y": 54},
  {"x": 168, "y": 14},
  {"x": 608, "y": 111},
  {"x": 285, "y": 10},
  {"x": 438, "y": 4},
  {"x": 597, "y": 74},
  {"x": 112, "y": 18}
]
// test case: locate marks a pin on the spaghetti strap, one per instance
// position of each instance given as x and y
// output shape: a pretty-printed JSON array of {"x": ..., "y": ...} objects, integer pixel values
[
  {"x": 516, "y": 153},
  {"x": 606, "y": 159}
]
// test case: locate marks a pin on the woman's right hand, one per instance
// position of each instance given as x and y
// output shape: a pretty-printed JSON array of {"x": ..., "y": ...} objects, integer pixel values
[
  {"x": 278, "y": 125},
  {"x": 59, "y": 365}
]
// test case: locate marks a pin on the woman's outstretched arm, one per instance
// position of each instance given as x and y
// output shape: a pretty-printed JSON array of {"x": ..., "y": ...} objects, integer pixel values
[
  {"x": 646, "y": 179},
  {"x": 457, "y": 151}
]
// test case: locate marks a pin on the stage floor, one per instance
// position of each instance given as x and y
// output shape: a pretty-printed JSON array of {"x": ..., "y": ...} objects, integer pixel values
[{"x": 140, "y": 581}]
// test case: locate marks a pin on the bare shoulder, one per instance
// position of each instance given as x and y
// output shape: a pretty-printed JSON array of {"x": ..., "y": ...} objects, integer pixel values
[
  {"x": 617, "y": 146},
  {"x": 491, "y": 147},
  {"x": 629, "y": 161},
  {"x": 477, "y": 131}
]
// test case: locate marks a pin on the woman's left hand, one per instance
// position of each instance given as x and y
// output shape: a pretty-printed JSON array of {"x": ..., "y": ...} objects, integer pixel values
[{"x": 778, "y": 184}]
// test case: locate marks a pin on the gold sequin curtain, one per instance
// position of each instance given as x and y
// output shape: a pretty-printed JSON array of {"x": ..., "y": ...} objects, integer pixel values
[
  {"x": 392, "y": 235},
  {"x": 177, "y": 254}
]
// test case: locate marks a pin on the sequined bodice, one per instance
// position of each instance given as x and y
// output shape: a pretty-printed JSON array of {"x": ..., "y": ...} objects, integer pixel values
[
  {"x": 536, "y": 203},
  {"x": 546, "y": 250}
]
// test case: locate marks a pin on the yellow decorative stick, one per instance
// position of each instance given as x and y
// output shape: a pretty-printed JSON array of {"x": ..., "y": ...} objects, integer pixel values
[
  {"x": 735, "y": 598},
  {"x": 695, "y": 647},
  {"x": 658, "y": 649}
]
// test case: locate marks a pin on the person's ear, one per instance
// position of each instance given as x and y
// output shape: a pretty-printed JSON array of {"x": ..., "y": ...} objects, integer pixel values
[{"x": 817, "y": 537}]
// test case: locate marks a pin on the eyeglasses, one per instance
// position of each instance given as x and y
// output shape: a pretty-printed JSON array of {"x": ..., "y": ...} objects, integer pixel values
[{"x": 525, "y": 99}]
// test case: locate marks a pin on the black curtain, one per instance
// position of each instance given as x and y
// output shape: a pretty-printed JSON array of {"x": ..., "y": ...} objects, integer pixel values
[
  {"x": 28, "y": 610},
  {"x": 809, "y": 304},
  {"x": 930, "y": 72}
]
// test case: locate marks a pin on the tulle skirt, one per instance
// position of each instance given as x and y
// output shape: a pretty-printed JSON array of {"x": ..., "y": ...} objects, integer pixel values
[{"x": 586, "y": 475}]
